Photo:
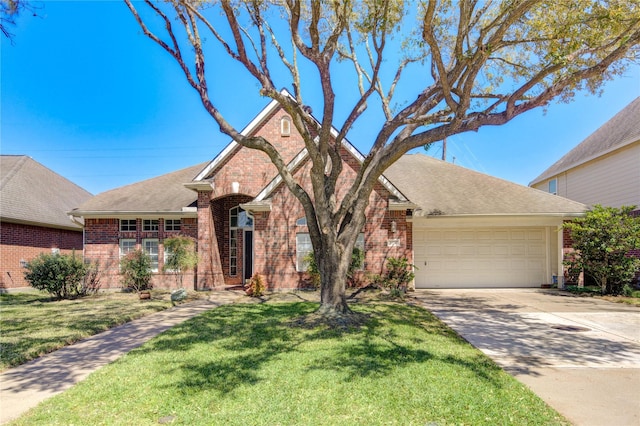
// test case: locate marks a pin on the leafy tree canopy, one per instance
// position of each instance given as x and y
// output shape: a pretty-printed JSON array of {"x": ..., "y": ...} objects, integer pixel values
[{"x": 422, "y": 70}]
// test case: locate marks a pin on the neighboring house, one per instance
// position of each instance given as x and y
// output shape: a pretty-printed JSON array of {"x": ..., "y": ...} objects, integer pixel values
[
  {"x": 604, "y": 168},
  {"x": 461, "y": 228},
  {"x": 33, "y": 216}
]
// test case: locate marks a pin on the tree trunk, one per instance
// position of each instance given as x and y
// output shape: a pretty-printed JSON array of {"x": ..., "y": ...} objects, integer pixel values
[{"x": 333, "y": 264}]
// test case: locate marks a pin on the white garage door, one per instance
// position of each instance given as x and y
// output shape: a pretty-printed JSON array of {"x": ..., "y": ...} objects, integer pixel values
[{"x": 482, "y": 257}]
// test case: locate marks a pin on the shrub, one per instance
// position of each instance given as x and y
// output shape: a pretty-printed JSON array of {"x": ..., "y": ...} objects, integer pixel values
[
  {"x": 257, "y": 286},
  {"x": 603, "y": 239},
  {"x": 135, "y": 268},
  {"x": 397, "y": 276},
  {"x": 182, "y": 256},
  {"x": 63, "y": 276}
]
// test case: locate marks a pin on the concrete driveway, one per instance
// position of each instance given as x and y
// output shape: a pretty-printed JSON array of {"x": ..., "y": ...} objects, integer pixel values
[{"x": 581, "y": 355}]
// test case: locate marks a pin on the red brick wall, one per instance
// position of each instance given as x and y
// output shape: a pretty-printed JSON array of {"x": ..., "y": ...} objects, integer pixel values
[
  {"x": 275, "y": 231},
  {"x": 103, "y": 236},
  {"x": 20, "y": 242},
  {"x": 251, "y": 168}
]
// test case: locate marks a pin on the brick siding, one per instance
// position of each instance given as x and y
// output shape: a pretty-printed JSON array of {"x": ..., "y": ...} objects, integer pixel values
[
  {"x": 22, "y": 243},
  {"x": 103, "y": 237}
]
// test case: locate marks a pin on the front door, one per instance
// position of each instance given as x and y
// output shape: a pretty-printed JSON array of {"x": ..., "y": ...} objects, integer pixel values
[{"x": 248, "y": 254}]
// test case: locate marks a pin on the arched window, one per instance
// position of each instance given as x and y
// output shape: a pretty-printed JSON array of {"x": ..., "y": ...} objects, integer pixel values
[{"x": 285, "y": 126}]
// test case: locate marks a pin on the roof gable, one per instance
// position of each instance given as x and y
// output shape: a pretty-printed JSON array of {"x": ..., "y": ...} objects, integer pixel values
[
  {"x": 621, "y": 130},
  {"x": 439, "y": 188},
  {"x": 32, "y": 193}
]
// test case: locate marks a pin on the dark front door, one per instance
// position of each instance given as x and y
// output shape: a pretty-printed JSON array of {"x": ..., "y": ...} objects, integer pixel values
[{"x": 248, "y": 254}]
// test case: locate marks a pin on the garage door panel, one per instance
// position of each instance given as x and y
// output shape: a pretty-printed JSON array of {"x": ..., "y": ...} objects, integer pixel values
[{"x": 502, "y": 257}]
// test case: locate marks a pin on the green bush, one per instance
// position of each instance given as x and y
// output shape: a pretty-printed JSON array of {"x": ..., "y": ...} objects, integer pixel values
[
  {"x": 397, "y": 276},
  {"x": 63, "y": 276},
  {"x": 602, "y": 240},
  {"x": 135, "y": 268},
  {"x": 182, "y": 256}
]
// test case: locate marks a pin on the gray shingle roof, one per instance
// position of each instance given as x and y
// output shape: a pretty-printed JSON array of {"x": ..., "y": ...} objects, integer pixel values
[
  {"x": 165, "y": 193},
  {"x": 440, "y": 188},
  {"x": 621, "y": 130},
  {"x": 32, "y": 193}
]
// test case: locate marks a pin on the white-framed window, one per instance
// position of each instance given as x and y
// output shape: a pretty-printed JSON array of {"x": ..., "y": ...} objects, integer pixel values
[
  {"x": 553, "y": 186},
  {"x": 302, "y": 221},
  {"x": 233, "y": 252},
  {"x": 303, "y": 248},
  {"x": 238, "y": 219},
  {"x": 127, "y": 225},
  {"x": 150, "y": 225},
  {"x": 172, "y": 224},
  {"x": 285, "y": 126},
  {"x": 127, "y": 245},
  {"x": 150, "y": 246}
]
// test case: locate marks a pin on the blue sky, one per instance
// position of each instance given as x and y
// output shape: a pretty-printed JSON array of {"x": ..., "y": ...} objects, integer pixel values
[{"x": 86, "y": 94}]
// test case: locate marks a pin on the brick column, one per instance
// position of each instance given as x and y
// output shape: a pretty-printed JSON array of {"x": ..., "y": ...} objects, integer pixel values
[{"x": 209, "y": 267}]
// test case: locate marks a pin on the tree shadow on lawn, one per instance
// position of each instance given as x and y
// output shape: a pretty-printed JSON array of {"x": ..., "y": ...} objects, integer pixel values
[{"x": 237, "y": 341}]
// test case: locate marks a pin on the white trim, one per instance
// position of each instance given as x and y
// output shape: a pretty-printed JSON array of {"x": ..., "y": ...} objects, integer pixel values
[
  {"x": 246, "y": 131},
  {"x": 119, "y": 214}
]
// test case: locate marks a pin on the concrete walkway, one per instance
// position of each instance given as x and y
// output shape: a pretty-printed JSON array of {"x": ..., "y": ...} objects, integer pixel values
[
  {"x": 25, "y": 386},
  {"x": 581, "y": 355}
]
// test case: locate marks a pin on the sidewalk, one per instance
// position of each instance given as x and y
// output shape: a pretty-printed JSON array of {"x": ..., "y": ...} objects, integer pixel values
[{"x": 25, "y": 386}]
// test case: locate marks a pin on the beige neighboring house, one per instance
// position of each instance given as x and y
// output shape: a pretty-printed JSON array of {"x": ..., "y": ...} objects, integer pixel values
[{"x": 604, "y": 168}]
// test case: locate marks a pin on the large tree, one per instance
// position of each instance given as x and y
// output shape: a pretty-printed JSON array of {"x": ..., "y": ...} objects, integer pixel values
[{"x": 431, "y": 68}]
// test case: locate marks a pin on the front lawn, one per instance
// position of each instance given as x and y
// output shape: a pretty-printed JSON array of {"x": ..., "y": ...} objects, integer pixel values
[
  {"x": 33, "y": 324},
  {"x": 250, "y": 364}
]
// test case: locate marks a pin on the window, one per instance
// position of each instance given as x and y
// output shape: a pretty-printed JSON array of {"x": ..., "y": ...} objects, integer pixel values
[
  {"x": 553, "y": 186},
  {"x": 360, "y": 245},
  {"x": 150, "y": 225},
  {"x": 303, "y": 248},
  {"x": 150, "y": 246},
  {"x": 285, "y": 126},
  {"x": 172, "y": 224},
  {"x": 302, "y": 221},
  {"x": 127, "y": 225},
  {"x": 233, "y": 252},
  {"x": 238, "y": 218},
  {"x": 127, "y": 246}
]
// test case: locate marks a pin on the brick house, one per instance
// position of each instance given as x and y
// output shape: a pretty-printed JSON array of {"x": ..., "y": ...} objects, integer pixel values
[
  {"x": 33, "y": 216},
  {"x": 473, "y": 229}
]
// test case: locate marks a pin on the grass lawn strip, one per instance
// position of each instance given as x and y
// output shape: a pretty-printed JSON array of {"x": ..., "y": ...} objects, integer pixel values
[
  {"x": 244, "y": 364},
  {"x": 32, "y": 324}
]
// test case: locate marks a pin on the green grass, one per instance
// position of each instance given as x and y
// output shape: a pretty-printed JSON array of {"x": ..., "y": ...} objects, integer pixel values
[
  {"x": 246, "y": 364},
  {"x": 33, "y": 324}
]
